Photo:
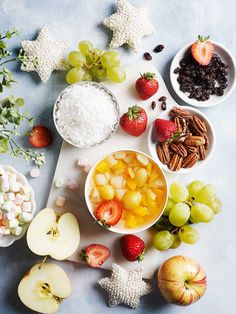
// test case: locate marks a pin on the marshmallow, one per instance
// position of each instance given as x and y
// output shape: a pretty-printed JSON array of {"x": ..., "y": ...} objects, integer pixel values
[
  {"x": 24, "y": 189},
  {"x": 6, "y": 231},
  {"x": 9, "y": 196},
  {"x": 1, "y": 198},
  {"x": 60, "y": 201},
  {"x": 82, "y": 162},
  {"x": 15, "y": 187},
  {"x": 12, "y": 178},
  {"x": 17, "y": 230},
  {"x": 7, "y": 206},
  {"x": 25, "y": 217},
  {"x": 8, "y": 216},
  {"x": 35, "y": 172},
  {"x": 27, "y": 197},
  {"x": 73, "y": 185},
  {"x": 87, "y": 168},
  {"x": 19, "y": 198},
  {"x": 12, "y": 223},
  {"x": 2, "y": 171},
  {"x": 26, "y": 207},
  {"x": 59, "y": 183},
  {"x": 17, "y": 210},
  {"x": 5, "y": 185}
]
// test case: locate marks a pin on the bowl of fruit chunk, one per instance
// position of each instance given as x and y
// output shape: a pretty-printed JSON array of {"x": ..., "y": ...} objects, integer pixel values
[
  {"x": 126, "y": 191},
  {"x": 202, "y": 73},
  {"x": 181, "y": 140}
]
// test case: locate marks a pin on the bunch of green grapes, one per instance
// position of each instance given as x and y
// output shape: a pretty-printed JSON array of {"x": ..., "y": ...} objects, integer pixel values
[
  {"x": 93, "y": 64},
  {"x": 187, "y": 205}
]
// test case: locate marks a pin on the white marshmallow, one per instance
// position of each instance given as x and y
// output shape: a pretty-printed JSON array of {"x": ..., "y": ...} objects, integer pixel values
[
  {"x": 24, "y": 189},
  {"x": 17, "y": 231},
  {"x": 19, "y": 198},
  {"x": 2, "y": 171},
  {"x": 87, "y": 168},
  {"x": 26, "y": 207},
  {"x": 6, "y": 231},
  {"x": 60, "y": 201},
  {"x": 1, "y": 198},
  {"x": 82, "y": 162},
  {"x": 12, "y": 223},
  {"x": 7, "y": 206},
  {"x": 9, "y": 196},
  {"x": 25, "y": 217},
  {"x": 59, "y": 183},
  {"x": 15, "y": 187},
  {"x": 27, "y": 197},
  {"x": 8, "y": 216},
  {"x": 17, "y": 210},
  {"x": 35, "y": 172},
  {"x": 5, "y": 186}
]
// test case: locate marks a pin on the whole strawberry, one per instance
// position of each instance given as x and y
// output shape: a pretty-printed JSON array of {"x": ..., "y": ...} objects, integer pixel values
[
  {"x": 165, "y": 130},
  {"x": 132, "y": 248},
  {"x": 146, "y": 86},
  {"x": 134, "y": 122}
]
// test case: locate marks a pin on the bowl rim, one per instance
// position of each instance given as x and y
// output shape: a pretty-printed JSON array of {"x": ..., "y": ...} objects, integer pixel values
[
  {"x": 97, "y": 85},
  {"x": 113, "y": 228},
  {"x": 197, "y": 165},
  {"x": 193, "y": 102},
  {"x": 33, "y": 202}
]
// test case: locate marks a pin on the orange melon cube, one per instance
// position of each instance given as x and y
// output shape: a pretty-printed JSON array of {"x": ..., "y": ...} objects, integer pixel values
[
  {"x": 130, "y": 221},
  {"x": 102, "y": 167}
]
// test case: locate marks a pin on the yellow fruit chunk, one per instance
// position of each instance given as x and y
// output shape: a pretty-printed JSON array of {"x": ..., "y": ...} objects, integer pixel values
[
  {"x": 160, "y": 194},
  {"x": 140, "y": 220},
  {"x": 144, "y": 199},
  {"x": 117, "y": 182},
  {"x": 144, "y": 160},
  {"x": 141, "y": 211},
  {"x": 110, "y": 160},
  {"x": 151, "y": 199},
  {"x": 119, "y": 165},
  {"x": 130, "y": 172},
  {"x": 120, "y": 155},
  {"x": 154, "y": 175},
  {"x": 100, "y": 179},
  {"x": 131, "y": 184},
  {"x": 130, "y": 221},
  {"x": 149, "y": 168},
  {"x": 107, "y": 192},
  {"x": 102, "y": 167},
  {"x": 129, "y": 158},
  {"x": 95, "y": 196},
  {"x": 119, "y": 194},
  {"x": 141, "y": 176},
  {"x": 132, "y": 199}
]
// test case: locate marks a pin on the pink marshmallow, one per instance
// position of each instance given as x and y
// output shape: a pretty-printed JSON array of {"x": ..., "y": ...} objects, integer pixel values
[
  {"x": 19, "y": 198},
  {"x": 73, "y": 185},
  {"x": 82, "y": 162},
  {"x": 35, "y": 172},
  {"x": 26, "y": 207},
  {"x": 60, "y": 201}
]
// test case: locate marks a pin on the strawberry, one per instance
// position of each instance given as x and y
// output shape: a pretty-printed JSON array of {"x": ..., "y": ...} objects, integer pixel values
[
  {"x": 202, "y": 50},
  {"x": 165, "y": 130},
  {"x": 40, "y": 136},
  {"x": 134, "y": 122},
  {"x": 95, "y": 254},
  {"x": 132, "y": 248},
  {"x": 146, "y": 86},
  {"x": 109, "y": 213}
]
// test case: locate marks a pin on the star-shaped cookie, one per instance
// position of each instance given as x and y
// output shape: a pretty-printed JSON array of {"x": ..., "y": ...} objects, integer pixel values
[
  {"x": 129, "y": 25},
  {"x": 125, "y": 286},
  {"x": 47, "y": 51}
]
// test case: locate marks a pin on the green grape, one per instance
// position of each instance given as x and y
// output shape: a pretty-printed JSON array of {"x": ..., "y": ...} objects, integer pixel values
[
  {"x": 95, "y": 54},
  {"x": 99, "y": 73},
  {"x": 170, "y": 203},
  {"x": 85, "y": 46},
  {"x": 76, "y": 58},
  {"x": 188, "y": 234},
  {"x": 110, "y": 59},
  {"x": 206, "y": 194},
  {"x": 87, "y": 76},
  {"x": 116, "y": 75},
  {"x": 163, "y": 240},
  {"x": 194, "y": 187},
  {"x": 179, "y": 214},
  {"x": 177, "y": 241},
  {"x": 163, "y": 223},
  {"x": 75, "y": 75},
  {"x": 215, "y": 205},
  {"x": 201, "y": 213},
  {"x": 179, "y": 192}
]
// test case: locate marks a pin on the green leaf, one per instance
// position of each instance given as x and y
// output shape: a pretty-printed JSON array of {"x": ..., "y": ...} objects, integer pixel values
[
  {"x": 4, "y": 145},
  {"x": 3, "y": 45},
  {"x": 31, "y": 122},
  {"x": 20, "y": 102}
]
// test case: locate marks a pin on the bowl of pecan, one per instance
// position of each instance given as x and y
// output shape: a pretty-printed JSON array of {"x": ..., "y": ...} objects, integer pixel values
[
  {"x": 202, "y": 73},
  {"x": 181, "y": 140}
]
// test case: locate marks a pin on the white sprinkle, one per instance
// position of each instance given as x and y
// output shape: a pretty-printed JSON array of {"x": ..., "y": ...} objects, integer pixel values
[
  {"x": 86, "y": 115},
  {"x": 35, "y": 172},
  {"x": 59, "y": 183}
]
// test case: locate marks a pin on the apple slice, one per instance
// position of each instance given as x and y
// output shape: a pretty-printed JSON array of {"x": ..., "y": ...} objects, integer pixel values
[
  {"x": 54, "y": 235},
  {"x": 43, "y": 288}
]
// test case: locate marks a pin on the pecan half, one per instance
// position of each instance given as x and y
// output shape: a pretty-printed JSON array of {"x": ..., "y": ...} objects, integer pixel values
[
  {"x": 178, "y": 124},
  {"x": 199, "y": 124},
  {"x": 206, "y": 141},
  {"x": 202, "y": 152},
  {"x": 176, "y": 162},
  {"x": 191, "y": 149},
  {"x": 179, "y": 149},
  {"x": 163, "y": 153},
  {"x": 194, "y": 141},
  {"x": 179, "y": 112},
  {"x": 184, "y": 125},
  {"x": 190, "y": 160}
]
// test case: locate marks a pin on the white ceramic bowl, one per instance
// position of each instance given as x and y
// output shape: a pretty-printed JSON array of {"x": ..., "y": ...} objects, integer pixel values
[
  {"x": 7, "y": 240},
  {"x": 95, "y": 85},
  {"x": 152, "y": 141},
  {"x": 117, "y": 228},
  {"x": 225, "y": 56}
]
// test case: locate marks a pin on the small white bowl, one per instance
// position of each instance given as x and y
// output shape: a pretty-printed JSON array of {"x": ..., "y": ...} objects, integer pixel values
[
  {"x": 117, "y": 228},
  {"x": 7, "y": 240},
  {"x": 225, "y": 56},
  {"x": 152, "y": 141}
]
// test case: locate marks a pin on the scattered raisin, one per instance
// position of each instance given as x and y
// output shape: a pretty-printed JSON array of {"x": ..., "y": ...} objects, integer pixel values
[
  {"x": 153, "y": 105},
  {"x": 163, "y": 105},
  {"x": 147, "y": 56},
  {"x": 162, "y": 98},
  {"x": 158, "y": 48}
]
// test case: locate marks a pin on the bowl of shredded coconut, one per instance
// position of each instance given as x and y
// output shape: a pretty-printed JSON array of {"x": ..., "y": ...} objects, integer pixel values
[{"x": 86, "y": 114}]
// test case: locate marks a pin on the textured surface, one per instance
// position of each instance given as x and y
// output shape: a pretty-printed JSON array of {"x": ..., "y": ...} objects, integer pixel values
[{"x": 176, "y": 23}]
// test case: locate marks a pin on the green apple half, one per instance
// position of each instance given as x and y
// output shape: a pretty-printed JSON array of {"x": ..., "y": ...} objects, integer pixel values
[
  {"x": 181, "y": 280},
  {"x": 44, "y": 287},
  {"x": 54, "y": 235}
]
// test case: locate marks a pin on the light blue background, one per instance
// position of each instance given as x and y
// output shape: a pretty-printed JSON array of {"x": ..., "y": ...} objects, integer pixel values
[{"x": 176, "y": 23}]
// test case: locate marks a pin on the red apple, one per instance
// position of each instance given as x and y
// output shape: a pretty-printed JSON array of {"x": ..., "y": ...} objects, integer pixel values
[{"x": 181, "y": 280}]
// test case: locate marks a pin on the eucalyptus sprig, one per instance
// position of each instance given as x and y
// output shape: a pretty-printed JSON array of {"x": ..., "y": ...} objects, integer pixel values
[{"x": 10, "y": 119}]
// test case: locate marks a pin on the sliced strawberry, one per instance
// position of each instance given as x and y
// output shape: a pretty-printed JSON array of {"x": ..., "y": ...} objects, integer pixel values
[
  {"x": 95, "y": 254},
  {"x": 109, "y": 213},
  {"x": 165, "y": 130},
  {"x": 40, "y": 136},
  {"x": 202, "y": 50}
]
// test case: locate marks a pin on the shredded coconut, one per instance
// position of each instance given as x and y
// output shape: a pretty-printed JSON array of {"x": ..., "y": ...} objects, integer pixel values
[{"x": 86, "y": 115}]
